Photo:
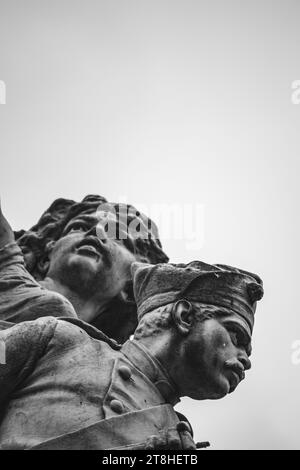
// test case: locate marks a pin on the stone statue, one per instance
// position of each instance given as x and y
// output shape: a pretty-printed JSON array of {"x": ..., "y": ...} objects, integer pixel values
[
  {"x": 83, "y": 273},
  {"x": 74, "y": 388}
]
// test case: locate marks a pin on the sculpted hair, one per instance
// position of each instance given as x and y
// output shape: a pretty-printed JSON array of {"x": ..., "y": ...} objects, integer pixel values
[
  {"x": 160, "y": 319},
  {"x": 50, "y": 226}
]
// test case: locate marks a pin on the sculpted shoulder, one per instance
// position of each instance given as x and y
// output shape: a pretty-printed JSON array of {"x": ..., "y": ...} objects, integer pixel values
[
  {"x": 30, "y": 337},
  {"x": 74, "y": 333},
  {"x": 57, "y": 305}
]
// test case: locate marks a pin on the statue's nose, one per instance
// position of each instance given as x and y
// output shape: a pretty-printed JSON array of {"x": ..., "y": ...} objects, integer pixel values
[
  {"x": 244, "y": 359},
  {"x": 97, "y": 231},
  {"x": 100, "y": 231}
]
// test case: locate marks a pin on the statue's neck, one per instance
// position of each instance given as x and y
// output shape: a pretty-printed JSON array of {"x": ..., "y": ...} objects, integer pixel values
[
  {"x": 164, "y": 349},
  {"x": 147, "y": 362},
  {"x": 86, "y": 309}
]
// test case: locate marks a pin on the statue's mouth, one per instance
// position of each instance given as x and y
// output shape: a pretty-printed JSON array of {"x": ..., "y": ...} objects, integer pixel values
[
  {"x": 236, "y": 375},
  {"x": 234, "y": 380},
  {"x": 91, "y": 247}
]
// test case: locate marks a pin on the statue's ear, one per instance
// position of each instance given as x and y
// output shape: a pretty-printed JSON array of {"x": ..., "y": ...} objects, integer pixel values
[
  {"x": 183, "y": 316},
  {"x": 44, "y": 261}
]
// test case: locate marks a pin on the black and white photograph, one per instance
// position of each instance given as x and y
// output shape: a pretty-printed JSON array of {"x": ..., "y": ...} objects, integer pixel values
[{"x": 149, "y": 228}]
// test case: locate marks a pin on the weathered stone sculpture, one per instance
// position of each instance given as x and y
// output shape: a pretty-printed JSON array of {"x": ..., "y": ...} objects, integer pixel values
[
  {"x": 83, "y": 272},
  {"x": 72, "y": 388}
]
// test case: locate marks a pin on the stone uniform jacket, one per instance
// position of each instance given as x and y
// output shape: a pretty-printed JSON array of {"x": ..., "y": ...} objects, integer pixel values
[{"x": 60, "y": 379}]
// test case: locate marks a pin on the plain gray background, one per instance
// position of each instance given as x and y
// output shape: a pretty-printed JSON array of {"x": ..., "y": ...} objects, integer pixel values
[{"x": 179, "y": 101}]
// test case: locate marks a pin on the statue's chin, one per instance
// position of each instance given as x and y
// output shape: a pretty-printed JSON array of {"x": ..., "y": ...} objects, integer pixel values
[
  {"x": 222, "y": 390},
  {"x": 218, "y": 389},
  {"x": 218, "y": 396}
]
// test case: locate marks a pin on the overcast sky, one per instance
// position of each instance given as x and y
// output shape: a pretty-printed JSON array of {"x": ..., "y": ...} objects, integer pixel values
[{"x": 185, "y": 102}]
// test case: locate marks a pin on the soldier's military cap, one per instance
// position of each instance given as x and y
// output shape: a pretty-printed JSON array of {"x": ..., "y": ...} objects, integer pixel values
[{"x": 213, "y": 284}]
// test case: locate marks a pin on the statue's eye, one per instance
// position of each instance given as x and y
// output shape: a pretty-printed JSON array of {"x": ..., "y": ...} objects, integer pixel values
[
  {"x": 76, "y": 228},
  {"x": 234, "y": 338},
  {"x": 239, "y": 338}
]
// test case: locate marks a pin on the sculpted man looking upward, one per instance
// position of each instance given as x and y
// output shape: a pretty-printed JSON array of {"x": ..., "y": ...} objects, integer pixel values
[
  {"x": 72, "y": 388},
  {"x": 70, "y": 253}
]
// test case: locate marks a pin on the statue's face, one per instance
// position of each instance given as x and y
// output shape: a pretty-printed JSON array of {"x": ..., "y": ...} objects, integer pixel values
[
  {"x": 216, "y": 357},
  {"x": 87, "y": 263}
]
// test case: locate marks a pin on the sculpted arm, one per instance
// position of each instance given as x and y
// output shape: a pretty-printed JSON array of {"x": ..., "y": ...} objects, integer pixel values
[{"x": 22, "y": 298}]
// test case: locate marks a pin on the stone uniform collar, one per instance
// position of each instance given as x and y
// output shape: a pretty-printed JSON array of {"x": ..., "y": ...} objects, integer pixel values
[{"x": 143, "y": 360}]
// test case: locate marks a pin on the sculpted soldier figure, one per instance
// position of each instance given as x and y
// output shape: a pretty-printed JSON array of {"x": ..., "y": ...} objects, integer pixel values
[
  {"x": 67, "y": 386},
  {"x": 77, "y": 269}
]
